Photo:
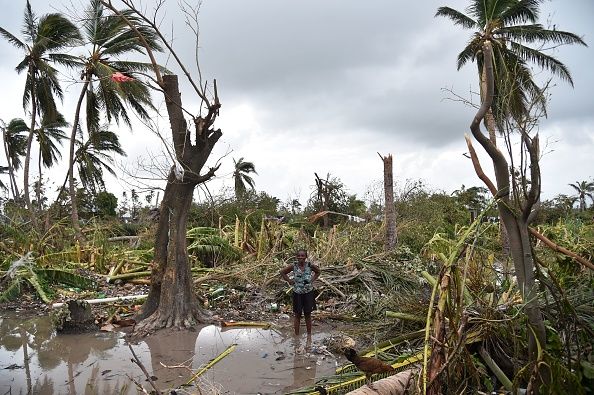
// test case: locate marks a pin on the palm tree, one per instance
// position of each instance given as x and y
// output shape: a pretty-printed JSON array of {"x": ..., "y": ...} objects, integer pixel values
[
  {"x": 504, "y": 31},
  {"x": 15, "y": 146},
  {"x": 241, "y": 176},
  {"x": 91, "y": 157},
  {"x": 109, "y": 38},
  {"x": 584, "y": 189},
  {"x": 48, "y": 134},
  {"x": 94, "y": 155},
  {"x": 511, "y": 26},
  {"x": 43, "y": 38}
]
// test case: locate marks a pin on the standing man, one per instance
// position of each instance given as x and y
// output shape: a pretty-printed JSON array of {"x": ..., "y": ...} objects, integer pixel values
[{"x": 304, "y": 301}]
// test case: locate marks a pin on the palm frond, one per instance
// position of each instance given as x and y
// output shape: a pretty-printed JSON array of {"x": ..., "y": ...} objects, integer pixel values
[
  {"x": 544, "y": 61},
  {"x": 457, "y": 17},
  {"x": 66, "y": 277},
  {"x": 22, "y": 66},
  {"x": 56, "y": 32},
  {"x": 536, "y": 33},
  {"x": 29, "y": 23},
  {"x": 469, "y": 53},
  {"x": 520, "y": 11},
  {"x": 66, "y": 60},
  {"x": 94, "y": 156},
  {"x": 41, "y": 292},
  {"x": 47, "y": 135},
  {"x": 129, "y": 66},
  {"x": 13, "y": 39},
  {"x": 93, "y": 109}
]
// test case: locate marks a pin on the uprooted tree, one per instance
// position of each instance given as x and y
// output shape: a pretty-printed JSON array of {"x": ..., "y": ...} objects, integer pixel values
[{"x": 171, "y": 301}]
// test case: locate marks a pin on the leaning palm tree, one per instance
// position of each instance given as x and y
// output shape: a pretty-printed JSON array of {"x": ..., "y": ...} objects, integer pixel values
[
  {"x": 48, "y": 135},
  {"x": 241, "y": 177},
  {"x": 511, "y": 26},
  {"x": 584, "y": 189},
  {"x": 94, "y": 155},
  {"x": 15, "y": 147},
  {"x": 109, "y": 38},
  {"x": 43, "y": 39}
]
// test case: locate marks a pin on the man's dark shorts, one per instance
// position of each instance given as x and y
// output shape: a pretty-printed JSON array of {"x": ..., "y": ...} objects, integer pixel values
[{"x": 304, "y": 303}]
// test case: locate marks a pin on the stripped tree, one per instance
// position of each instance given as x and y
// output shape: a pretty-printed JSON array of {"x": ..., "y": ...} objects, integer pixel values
[
  {"x": 171, "y": 301},
  {"x": 391, "y": 238}
]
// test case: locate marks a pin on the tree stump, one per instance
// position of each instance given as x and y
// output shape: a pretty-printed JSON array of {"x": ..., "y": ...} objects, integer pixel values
[{"x": 74, "y": 316}]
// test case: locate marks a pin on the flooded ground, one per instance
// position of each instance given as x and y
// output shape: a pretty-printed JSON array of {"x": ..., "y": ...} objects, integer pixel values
[{"x": 34, "y": 360}]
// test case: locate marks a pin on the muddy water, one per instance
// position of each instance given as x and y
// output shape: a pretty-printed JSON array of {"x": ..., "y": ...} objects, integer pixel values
[{"x": 34, "y": 360}]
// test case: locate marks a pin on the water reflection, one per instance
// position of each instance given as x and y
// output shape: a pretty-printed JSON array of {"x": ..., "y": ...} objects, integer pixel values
[
  {"x": 171, "y": 356},
  {"x": 304, "y": 364},
  {"x": 34, "y": 360}
]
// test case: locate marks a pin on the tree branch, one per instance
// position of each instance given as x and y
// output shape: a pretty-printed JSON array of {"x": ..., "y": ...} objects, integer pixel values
[{"x": 479, "y": 171}]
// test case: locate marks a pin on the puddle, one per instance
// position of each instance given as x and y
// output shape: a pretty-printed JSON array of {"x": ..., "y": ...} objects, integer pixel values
[{"x": 34, "y": 360}]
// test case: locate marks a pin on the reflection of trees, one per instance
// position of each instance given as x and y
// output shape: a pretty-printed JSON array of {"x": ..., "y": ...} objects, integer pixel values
[
  {"x": 97, "y": 385},
  {"x": 36, "y": 334},
  {"x": 44, "y": 386},
  {"x": 171, "y": 349},
  {"x": 24, "y": 340},
  {"x": 18, "y": 334},
  {"x": 74, "y": 350}
]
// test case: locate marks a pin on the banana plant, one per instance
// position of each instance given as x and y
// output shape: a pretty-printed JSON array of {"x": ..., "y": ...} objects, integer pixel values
[{"x": 25, "y": 271}]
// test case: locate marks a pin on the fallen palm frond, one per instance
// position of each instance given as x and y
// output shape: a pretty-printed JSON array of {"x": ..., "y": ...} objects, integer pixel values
[
  {"x": 66, "y": 277},
  {"x": 211, "y": 363},
  {"x": 252, "y": 324}
]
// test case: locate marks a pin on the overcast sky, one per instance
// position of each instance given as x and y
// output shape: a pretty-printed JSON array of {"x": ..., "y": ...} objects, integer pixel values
[{"x": 325, "y": 85}]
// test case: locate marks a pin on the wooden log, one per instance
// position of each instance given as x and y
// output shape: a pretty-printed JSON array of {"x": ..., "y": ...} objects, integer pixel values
[
  {"x": 397, "y": 384},
  {"x": 106, "y": 300}
]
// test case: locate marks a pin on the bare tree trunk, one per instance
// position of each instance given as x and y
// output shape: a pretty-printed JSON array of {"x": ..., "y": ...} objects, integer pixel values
[
  {"x": 30, "y": 207},
  {"x": 171, "y": 301},
  {"x": 391, "y": 238},
  {"x": 489, "y": 118},
  {"x": 324, "y": 198}
]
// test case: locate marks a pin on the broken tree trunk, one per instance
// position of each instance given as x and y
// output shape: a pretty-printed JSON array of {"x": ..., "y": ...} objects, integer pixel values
[
  {"x": 391, "y": 237},
  {"x": 171, "y": 301}
]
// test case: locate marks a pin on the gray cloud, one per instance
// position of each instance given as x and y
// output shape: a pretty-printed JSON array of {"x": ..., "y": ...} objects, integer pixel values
[{"x": 357, "y": 76}]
